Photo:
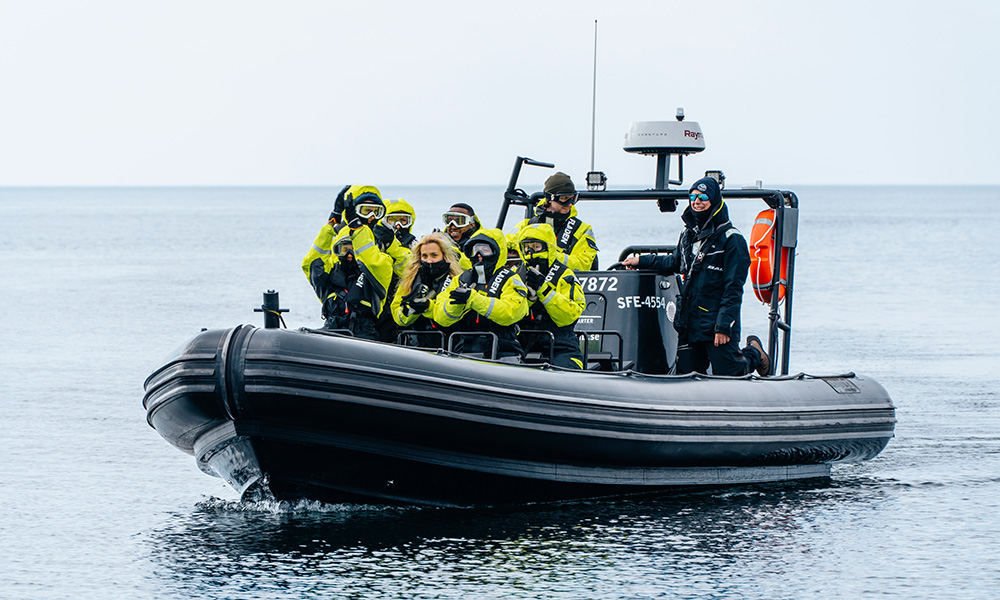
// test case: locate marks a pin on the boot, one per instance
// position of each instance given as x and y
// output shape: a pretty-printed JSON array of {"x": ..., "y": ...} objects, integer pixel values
[{"x": 764, "y": 365}]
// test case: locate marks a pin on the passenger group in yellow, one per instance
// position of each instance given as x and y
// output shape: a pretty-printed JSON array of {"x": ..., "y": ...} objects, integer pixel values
[{"x": 470, "y": 289}]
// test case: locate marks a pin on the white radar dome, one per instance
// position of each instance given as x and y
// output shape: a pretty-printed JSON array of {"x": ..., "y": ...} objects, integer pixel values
[{"x": 664, "y": 137}]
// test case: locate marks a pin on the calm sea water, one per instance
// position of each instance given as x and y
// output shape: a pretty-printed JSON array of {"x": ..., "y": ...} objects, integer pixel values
[{"x": 99, "y": 285}]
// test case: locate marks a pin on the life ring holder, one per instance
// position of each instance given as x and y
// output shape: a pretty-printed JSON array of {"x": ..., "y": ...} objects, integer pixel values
[{"x": 762, "y": 256}]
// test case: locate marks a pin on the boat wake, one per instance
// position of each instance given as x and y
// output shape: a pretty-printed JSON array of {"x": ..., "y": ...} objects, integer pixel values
[{"x": 274, "y": 506}]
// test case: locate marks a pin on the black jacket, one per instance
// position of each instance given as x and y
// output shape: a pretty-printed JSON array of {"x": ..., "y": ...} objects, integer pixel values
[{"x": 713, "y": 278}]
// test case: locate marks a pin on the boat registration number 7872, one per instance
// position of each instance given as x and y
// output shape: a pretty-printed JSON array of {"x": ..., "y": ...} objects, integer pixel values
[{"x": 599, "y": 284}]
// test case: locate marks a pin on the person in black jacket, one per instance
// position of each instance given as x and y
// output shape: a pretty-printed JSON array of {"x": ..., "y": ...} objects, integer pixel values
[{"x": 713, "y": 261}]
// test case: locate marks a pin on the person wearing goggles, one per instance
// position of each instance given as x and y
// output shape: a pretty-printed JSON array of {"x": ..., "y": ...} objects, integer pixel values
[
  {"x": 555, "y": 298},
  {"x": 393, "y": 234},
  {"x": 574, "y": 238},
  {"x": 400, "y": 218},
  {"x": 338, "y": 258},
  {"x": 343, "y": 249},
  {"x": 457, "y": 220},
  {"x": 488, "y": 297},
  {"x": 368, "y": 211},
  {"x": 531, "y": 248},
  {"x": 713, "y": 260},
  {"x": 460, "y": 223},
  {"x": 431, "y": 268}
]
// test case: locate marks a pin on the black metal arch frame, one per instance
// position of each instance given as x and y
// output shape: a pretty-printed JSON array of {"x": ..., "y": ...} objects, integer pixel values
[{"x": 786, "y": 210}]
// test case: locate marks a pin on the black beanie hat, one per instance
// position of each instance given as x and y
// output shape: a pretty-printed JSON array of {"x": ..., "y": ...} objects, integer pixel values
[
  {"x": 709, "y": 187},
  {"x": 558, "y": 184},
  {"x": 465, "y": 206}
]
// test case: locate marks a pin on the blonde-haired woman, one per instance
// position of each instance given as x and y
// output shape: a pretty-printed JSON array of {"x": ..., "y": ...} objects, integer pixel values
[{"x": 430, "y": 269}]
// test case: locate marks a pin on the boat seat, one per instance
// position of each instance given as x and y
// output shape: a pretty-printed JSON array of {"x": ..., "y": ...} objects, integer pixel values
[
  {"x": 600, "y": 361},
  {"x": 606, "y": 361},
  {"x": 535, "y": 358}
]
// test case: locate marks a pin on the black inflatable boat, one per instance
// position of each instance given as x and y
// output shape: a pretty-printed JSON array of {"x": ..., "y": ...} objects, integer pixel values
[{"x": 320, "y": 415}]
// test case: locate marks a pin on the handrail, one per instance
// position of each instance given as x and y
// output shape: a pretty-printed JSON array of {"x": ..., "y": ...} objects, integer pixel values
[
  {"x": 584, "y": 333},
  {"x": 646, "y": 249},
  {"x": 459, "y": 334},
  {"x": 511, "y": 195},
  {"x": 540, "y": 332},
  {"x": 408, "y": 333}
]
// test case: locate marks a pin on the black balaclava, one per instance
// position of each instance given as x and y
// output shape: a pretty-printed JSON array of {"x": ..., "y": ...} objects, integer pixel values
[
  {"x": 432, "y": 271},
  {"x": 350, "y": 267},
  {"x": 484, "y": 266},
  {"x": 558, "y": 184},
  {"x": 540, "y": 262},
  {"x": 709, "y": 187}
]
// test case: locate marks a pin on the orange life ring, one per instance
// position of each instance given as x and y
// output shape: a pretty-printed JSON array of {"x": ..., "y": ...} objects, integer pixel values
[{"x": 762, "y": 249}]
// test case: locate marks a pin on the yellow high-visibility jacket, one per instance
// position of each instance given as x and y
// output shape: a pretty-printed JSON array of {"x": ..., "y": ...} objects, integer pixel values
[
  {"x": 560, "y": 298},
  {"x": 575, "y": 239}
]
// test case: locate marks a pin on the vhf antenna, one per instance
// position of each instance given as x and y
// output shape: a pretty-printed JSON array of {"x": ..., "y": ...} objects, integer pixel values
[
  {"x": 593, "y": 113},
  {"x": 596, "y": 181}
]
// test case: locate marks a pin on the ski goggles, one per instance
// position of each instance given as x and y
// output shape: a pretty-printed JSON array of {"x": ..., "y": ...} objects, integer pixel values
[
  {"x": 532, "y": 247},
  {"x": 368, "y": 210},
  {"x": 482, "y": 248},
  {"x": 697, "y": 197},
  {"x": 342, "y": 246},
  {"x": 457, "y": 219},
  {"x": 402, "y": 219},
  {"x": 564, "y": 199}
]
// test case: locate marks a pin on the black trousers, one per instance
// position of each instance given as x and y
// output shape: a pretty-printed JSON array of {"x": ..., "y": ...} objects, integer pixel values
[
  {"x": 727, "y": 359},
  {"x": 360, "y": 325},
  {"x": 565, "y": 348}
]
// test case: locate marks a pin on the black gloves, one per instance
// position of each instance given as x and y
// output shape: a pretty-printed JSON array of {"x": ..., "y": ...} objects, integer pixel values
[
  {"x": 460, "y": 295},
  {"x": 338, "y": 205},
  {"x": 417, "y": 302},
  {"x": 405, "y": 237},
  {"x": 467, "y": 279},
  {"x": 383, "y": 235},
  {"x": 417, "y": 292},
  {"x": 534, "y": 279},
  {"x": 350, "y": 214},
  {"x": 419, "y": 306}
]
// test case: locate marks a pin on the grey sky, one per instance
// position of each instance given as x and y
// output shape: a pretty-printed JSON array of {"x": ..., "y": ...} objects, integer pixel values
[{"x": 318, "y": 93}]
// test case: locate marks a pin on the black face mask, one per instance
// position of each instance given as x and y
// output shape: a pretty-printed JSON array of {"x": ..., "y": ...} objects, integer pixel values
[
  {"x": 434, "y": 270},
  {"x": 554, "y": 219},
  {"x": 488, "y": 261},
  {"x": 484, "y": 266},
  {"x": 350, "y": 267},
  {"x": 540, "y": 263},
  {"x": 702, "y": 218}
]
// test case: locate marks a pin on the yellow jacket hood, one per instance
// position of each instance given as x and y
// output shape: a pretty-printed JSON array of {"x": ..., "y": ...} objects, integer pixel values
[
  {"x": 400, "y": 205},
  {"x": 359, "y": 192},
  {"x": 542, "y": 232},
  {"x": 495, "y": 238}
]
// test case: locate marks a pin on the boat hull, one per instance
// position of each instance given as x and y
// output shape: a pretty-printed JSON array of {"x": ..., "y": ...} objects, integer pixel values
[{"x": 338, "y": 419}]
